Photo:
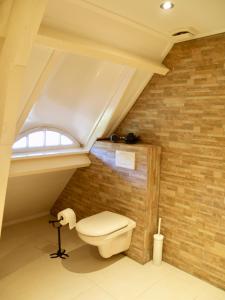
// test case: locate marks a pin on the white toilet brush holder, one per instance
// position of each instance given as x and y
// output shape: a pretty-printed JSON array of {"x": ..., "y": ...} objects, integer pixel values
[{"x": 158, "y": 246}]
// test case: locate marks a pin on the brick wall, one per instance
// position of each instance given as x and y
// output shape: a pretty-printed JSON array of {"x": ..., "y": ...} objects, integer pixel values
[
  {"x": 133, "y": 193},
  {"x": 184, "y": 112}
]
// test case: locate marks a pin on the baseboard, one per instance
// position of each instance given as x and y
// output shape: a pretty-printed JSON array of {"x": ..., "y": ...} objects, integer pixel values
[{"x": 21, "y": 220}]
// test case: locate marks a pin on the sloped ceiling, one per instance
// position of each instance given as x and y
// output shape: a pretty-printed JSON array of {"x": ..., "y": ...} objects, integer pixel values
[
  {"x": 33, "y": 195},
  {"x": 76, "y": 95},
  {"x": 38, "y": 60}
]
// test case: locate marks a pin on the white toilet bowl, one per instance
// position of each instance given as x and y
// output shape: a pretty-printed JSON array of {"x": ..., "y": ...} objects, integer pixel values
[{"x": 110, "y": 232}]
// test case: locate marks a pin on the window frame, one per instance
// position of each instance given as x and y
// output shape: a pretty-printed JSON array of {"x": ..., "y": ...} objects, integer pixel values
[{"x": 44, "y": 148}]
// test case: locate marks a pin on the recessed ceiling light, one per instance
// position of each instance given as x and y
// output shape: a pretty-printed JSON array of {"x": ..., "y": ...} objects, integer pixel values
[{"x": 167, "y": 5}]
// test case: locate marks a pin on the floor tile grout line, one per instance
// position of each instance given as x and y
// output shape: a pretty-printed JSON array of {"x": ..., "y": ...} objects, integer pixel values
[
  {"x": 136, "y": 297},
  {"x": 157, "y": 282},
  {"x": 76, "y": 297},
  {"x": 106, "y": 291},
  {"x": 148, "y": 288}
]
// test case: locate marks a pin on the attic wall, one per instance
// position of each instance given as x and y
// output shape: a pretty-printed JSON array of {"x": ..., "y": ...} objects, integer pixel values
[
  {"x": 184, "y": 112},
  {"x": 133, "y": 193},
  {"x": 33, "y": 195}
]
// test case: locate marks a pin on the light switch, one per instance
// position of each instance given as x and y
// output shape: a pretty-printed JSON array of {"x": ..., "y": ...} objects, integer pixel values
[{"x": 125, "y": 159}]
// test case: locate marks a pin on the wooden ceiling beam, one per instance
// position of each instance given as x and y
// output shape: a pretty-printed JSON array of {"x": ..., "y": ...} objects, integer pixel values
[
  {"x": 5, "y": 10},
  {"x": 40, "y": 165},
  {"x": 22, "y": 26},
  {"x": 70, "y": 43}
]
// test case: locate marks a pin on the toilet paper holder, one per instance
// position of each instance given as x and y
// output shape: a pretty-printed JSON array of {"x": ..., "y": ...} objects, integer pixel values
[{"x": 60, "y": 252}]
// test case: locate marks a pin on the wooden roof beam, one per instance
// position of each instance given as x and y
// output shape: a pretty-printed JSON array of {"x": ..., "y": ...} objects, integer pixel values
[
  {"x": 22, "y": 26},
  {"x": 71, "y": 43},
  {"x": 5, "y": 10}
]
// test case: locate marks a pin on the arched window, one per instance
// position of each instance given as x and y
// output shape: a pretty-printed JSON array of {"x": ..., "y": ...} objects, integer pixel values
[{"x": 40, "y": 139}]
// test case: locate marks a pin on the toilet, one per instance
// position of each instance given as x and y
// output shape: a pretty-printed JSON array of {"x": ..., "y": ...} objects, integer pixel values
[{"x": 110, "y": 232}]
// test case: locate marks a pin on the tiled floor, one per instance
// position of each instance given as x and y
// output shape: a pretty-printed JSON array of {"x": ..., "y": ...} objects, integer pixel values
[{"x": 27, "y": 272}]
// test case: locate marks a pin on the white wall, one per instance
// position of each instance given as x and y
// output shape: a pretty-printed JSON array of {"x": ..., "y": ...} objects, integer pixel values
[{"x": 32, "y": 195}]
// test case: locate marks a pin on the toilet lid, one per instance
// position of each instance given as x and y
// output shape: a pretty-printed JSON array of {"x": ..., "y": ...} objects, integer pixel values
[{"x": 101, "y": 224}]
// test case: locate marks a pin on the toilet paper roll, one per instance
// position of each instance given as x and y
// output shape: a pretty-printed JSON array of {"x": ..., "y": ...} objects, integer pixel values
[{"x": 68, "y": 217}]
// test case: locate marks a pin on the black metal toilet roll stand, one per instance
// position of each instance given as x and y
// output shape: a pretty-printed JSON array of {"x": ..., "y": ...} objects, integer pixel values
[{"x": 61, "y": 252}]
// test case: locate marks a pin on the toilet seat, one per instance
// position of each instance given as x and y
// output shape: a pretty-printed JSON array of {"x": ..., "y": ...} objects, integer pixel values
[{"x": 102, "y": 223}]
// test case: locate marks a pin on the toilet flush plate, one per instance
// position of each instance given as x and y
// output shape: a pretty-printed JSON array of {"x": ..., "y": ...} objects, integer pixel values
[{"x": 125, "y": 159}]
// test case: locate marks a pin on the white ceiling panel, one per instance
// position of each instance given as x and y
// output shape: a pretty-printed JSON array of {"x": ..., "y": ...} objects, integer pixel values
[{"x": 76, "y": 95}]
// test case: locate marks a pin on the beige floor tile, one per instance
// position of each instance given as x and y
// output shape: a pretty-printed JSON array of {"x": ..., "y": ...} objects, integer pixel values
[
  {"x": 179, "y": 286},
  {"x": 18, "y": 258},
  {"x": 211, "y": 293},
  {"x": 27, "y": 272},
  {"x": 94, "y": 293},
  {"x": 168, "y": 289},
  {"x": 43, "y": 279},
  {"x": 125, "y": 278},
  {"x": 198, "y": 286},
  {"x": 86, "y": 260},
  {"x": 156, "y": 273}
]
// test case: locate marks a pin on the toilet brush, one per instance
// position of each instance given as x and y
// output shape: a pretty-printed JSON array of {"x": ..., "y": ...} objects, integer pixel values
[{"x": 158, "y": 246}]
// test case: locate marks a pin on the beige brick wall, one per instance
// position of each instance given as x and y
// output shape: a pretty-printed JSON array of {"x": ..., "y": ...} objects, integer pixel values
[
  {"x": 184, "y": 112},
  {"x": 133, "y": 193}
]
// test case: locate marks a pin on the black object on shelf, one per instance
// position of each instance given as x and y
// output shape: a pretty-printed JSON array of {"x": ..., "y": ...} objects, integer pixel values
[
  {"x": 61, "y": 252},
  {"x": 130, "y": 138}
]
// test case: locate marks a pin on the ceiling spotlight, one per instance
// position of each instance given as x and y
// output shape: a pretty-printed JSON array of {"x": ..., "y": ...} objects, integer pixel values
[{"x": 167, "y": 5}]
